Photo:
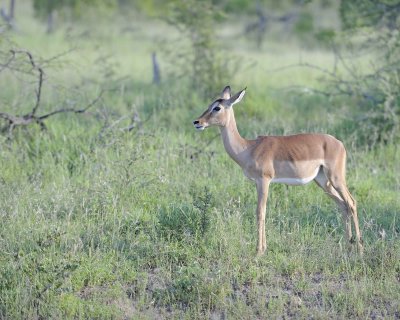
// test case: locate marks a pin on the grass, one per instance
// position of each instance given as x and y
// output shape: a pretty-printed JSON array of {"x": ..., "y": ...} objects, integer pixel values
[{"x": 158, "y": 222}]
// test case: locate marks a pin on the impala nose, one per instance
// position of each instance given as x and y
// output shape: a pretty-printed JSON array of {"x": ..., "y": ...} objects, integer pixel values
[{"x": 195, "y": 122}]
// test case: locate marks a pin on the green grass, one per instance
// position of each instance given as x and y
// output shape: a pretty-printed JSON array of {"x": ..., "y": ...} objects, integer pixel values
[{"x": 158, "y": 222}]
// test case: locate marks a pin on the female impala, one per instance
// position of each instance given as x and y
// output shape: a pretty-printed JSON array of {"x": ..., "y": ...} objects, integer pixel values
[{"x": 294, "y": 160}]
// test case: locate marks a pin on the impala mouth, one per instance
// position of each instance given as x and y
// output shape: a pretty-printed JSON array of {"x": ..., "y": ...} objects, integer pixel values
[{"x": 199, "y": 127}]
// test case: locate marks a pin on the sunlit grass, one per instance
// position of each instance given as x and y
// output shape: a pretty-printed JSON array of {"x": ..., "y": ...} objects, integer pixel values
[{"x": 158, "y": 222}]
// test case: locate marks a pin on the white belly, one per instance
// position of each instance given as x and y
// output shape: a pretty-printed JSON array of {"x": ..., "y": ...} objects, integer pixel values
[{"x": 296, "y": 181}]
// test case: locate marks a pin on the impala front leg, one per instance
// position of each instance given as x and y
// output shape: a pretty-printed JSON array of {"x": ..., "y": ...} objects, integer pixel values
[{"x": 262, "y": 191}]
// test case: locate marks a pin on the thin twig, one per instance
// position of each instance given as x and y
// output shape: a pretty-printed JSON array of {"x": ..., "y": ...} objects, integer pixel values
[
  {"x": 40, "y": 81},
  {"x": 304, "y": 65},
  {"x": 7, "y": 64},
  {"x": 308, "y": 90},
  {"x": 65, "y": 110}
]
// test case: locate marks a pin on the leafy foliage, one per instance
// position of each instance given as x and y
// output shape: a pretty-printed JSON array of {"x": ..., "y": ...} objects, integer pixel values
[
  {"x": 203, "y": 62},
  {"x": 44, "y": 7},
  {"x": 370, "y": 13},
  {"x": 187, "y": 222},
  {"x": 378, "y": 89}
]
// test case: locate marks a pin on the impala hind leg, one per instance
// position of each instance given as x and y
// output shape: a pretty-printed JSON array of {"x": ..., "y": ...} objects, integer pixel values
[
  {"x": 322, "y": 181},
  {"x": 338, "y": 182}
]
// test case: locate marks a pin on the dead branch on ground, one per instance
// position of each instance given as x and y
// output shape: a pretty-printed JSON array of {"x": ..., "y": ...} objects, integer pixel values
[{"x": 14, "y": 121}]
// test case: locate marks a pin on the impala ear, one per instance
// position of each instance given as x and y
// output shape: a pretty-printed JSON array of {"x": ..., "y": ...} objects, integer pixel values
[
  {"x": 237, "y": 97},
  {"x": 226, "y": 93}
]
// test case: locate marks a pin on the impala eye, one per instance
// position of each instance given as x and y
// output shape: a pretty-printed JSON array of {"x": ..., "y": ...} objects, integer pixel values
[{"x": 216, "y": 109}]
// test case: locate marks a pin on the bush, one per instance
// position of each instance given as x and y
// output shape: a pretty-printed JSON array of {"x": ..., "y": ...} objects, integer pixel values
[
  {"x": 196, "y": 56},
  {"x": 182, "y": 222}
]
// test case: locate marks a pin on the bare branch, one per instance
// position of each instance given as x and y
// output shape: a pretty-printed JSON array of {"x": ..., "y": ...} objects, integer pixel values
[
  {"x": 57, "y": 57},
  {"x": 18, "y": 67},
  {"x": 8, "y": 63},
  {"x": 309, "y": 90},
  {"x": 65, "y": 110},
  {"x": 304, "y": 65},
  {"x": 40, "y": 81}
]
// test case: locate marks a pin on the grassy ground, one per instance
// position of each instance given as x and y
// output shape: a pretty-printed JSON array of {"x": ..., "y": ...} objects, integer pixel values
[{"x": 158, "y": 222}]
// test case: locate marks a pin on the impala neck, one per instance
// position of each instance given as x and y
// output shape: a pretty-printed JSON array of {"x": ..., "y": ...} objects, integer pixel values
[{"x": 233, "y": 142}]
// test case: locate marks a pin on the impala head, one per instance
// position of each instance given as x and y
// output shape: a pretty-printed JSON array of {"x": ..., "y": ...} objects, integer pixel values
[{"x": 219, "y": 112}]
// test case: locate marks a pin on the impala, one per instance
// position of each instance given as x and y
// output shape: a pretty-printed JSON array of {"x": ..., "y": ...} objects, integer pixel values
[{"x": 293, "y": 160}]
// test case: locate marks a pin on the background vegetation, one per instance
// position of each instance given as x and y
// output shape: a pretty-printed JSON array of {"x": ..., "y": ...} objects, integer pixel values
[{"x": 113, "y": 207}]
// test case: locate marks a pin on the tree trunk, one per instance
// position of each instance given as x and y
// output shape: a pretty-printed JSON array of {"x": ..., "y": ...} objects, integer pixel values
[
  {"x": 12, "y": 9},
  {"x": 8, "y": 17},
  {"x": 156, "y": 69},
  {"x": 50, "y": 21}
]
